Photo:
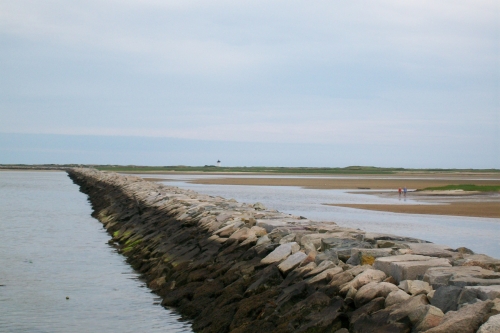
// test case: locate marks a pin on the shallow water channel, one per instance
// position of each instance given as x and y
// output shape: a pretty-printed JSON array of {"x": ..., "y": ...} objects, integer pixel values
[
  {"x": 50, "y": 249},
  {"x": 482, "y": 235}
]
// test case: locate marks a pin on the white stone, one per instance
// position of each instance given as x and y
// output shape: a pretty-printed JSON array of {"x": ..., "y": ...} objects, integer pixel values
[
  {"x": 263, "y": 239},
  {"x": 408, "y": 267},
  {"x": 395, "y": 297},
  {"x": 492, "y": 325},
  {"x": 415, "y": 287},
  {"x": 279, "y": 253},
  {"x": 291, "y": 262},
  {"x": 259, "y": 231},
  {"x": 369, "y": 275}
]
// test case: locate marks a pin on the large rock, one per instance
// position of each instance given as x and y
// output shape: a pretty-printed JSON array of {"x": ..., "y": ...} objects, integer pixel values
[
  {"x": 431, "y": 250},
  {"x": 229, "y": 229},
  {"x": 326, "y": 275},
  {"x": 425, "y": 318},
  {"x": 400, "y": 312},
  {"x": 374, "y": 305},
  {"x": 492, "y": 325},
  {"x": 415, "y": 287},
  {"x": 324, "y": 265},
  {"x": 373, "y": 290},
  {"x": 408, "y": 267},
  {"x": 291, "y": 262},
  {"x": 339, "y": 280},
  {"x": 480, "y": 260},
  {"x": 471, "y": 294},
  {"x": 280, "y": 253},
  {"x": 242, "y": 234},
  {"x": 466, "y": 320},
  {"x": 259, "y": 231},
  {"x": 461, "y": 276},
  {"x": 269, "y": 277},
  {"x": 367, "y": 256},
  {"x": 369, "y": 275},
  {"x": 395, "y": 297},
  {"x": 342, "y": 246},
  {"x": 330, "y": 255},
  {"x": 446, "y": 298}
]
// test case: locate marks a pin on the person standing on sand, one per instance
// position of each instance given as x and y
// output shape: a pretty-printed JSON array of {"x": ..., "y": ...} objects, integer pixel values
[
  {"x": 399, "y": 190},
  {"x": 404, "y": 190}
]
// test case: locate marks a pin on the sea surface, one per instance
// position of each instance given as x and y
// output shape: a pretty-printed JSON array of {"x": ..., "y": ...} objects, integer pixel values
[
  {"x": 482, "y": 235},
  {"x": 51, "y": 249}
]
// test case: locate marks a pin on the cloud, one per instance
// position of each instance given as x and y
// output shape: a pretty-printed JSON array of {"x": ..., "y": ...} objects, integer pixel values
[{"x": 257, "y": 71}]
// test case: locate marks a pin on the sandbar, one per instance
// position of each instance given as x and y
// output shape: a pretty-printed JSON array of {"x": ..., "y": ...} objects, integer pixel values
[{"x": 473, "y": 209}]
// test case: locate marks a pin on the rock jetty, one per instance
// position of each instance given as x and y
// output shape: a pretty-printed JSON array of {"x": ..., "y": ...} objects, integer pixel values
[{"x": 235, "y": 267}]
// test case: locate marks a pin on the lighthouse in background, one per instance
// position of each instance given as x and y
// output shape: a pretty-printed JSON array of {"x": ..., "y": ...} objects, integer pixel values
[{"x": 218, "y": 163}]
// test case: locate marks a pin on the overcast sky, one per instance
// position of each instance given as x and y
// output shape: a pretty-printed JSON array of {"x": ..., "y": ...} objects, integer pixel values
[{"x": 291, "y": 83}]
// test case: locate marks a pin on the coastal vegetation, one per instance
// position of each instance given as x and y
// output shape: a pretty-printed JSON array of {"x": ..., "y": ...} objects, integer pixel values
[
  {"x": 243, "y": 169},
  {"x": 465, "y": 187}
]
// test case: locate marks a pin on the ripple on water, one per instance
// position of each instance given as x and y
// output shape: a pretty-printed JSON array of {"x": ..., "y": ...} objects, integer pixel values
[{"x": 51, "y": 249}]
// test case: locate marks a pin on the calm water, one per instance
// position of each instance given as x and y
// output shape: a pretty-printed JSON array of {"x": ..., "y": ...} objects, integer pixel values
[
  {"x": 482, "y": 235},
  {"x": 50, "y": 249}
]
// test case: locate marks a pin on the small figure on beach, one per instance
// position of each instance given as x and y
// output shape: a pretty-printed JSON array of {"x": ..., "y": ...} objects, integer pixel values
[
  {"x": 405, "y": 190},
  {"x": 399, "y": 191}
]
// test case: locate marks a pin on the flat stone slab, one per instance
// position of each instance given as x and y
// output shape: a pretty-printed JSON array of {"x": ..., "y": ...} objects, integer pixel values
[
  {"x": 291, "y": 262},
  {"x": 384, "y": 264},
  {"x": 408, "y": 267},
  {"x": 324, "y": 265},
  {"x": 279, "y": 253},
  {"x": 484, "y": 293},
  {"x": 431, "y": 250},
  {"x": 415, "y": 287},
  {"x": 461, "y": 276},
  {"x": 368, "y": 256},
  {"x": 480, "y": 260},
  {"x": 269, "y": 225}
]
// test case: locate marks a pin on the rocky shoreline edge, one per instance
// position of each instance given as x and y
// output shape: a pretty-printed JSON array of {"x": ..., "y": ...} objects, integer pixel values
[{"x": 235, "y": 267}]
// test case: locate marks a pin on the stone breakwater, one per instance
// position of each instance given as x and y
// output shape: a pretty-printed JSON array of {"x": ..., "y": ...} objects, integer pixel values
[{"x": 235, "y": 267}]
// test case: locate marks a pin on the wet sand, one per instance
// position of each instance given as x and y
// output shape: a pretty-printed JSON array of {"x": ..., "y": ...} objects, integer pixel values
[
  {"x": 473, "y": 209},
  {"x": 357, "y": 182}
]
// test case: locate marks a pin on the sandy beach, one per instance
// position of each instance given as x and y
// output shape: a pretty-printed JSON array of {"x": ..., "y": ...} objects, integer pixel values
[{"x": 474, "y": 209}]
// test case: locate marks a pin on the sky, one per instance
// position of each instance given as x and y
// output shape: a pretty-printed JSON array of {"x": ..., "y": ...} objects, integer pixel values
[{"x": 412, "y": 84}]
